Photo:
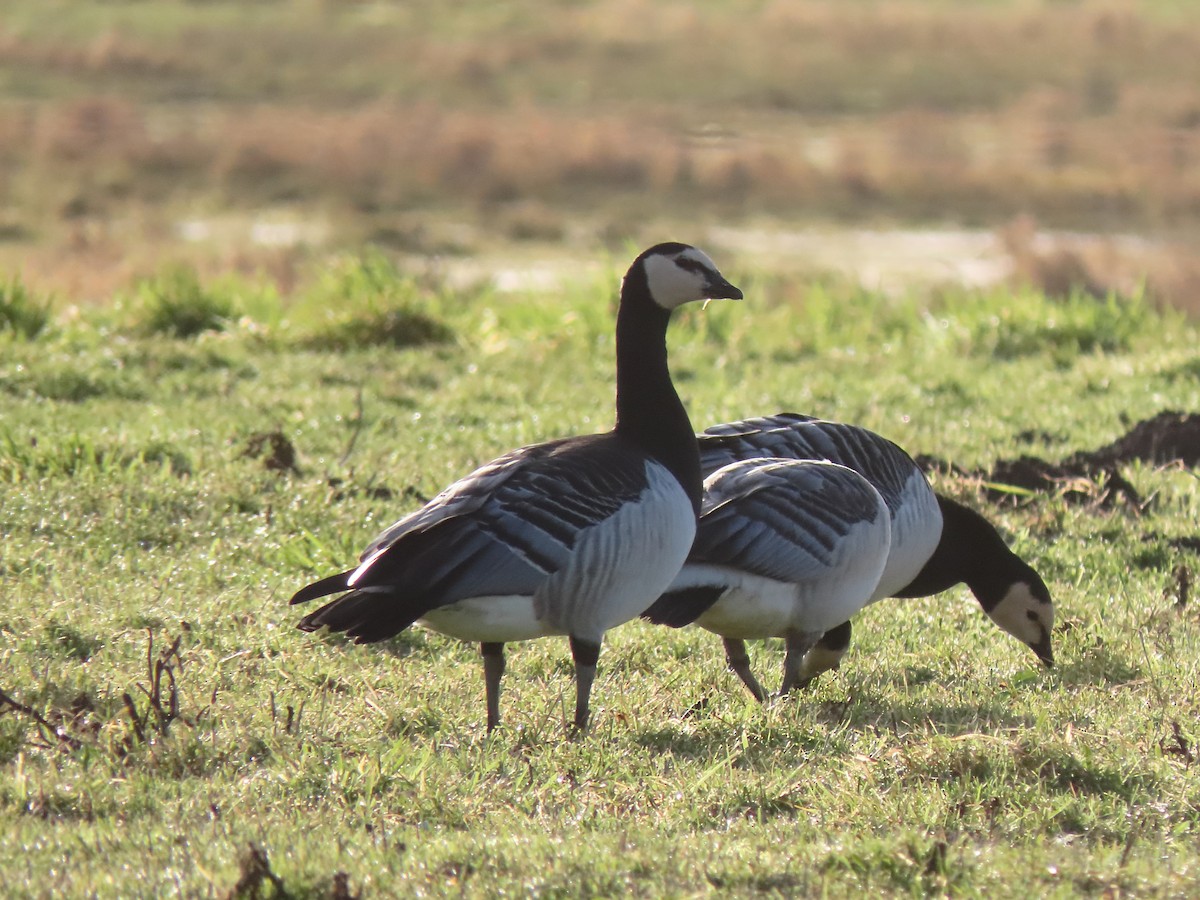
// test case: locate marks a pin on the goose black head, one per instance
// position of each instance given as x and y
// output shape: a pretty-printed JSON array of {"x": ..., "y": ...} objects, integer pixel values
[
  {"x": 1027, "y": 613},
  {"x": 680, "y": 273}
]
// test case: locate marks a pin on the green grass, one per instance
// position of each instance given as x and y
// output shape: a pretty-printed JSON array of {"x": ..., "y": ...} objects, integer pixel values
[
  {"x": 367, "y": 301},
  {"x": 175, "y": 304},
  {"x": 22, "y": 316},
  {"x": 137, "y": 507}
]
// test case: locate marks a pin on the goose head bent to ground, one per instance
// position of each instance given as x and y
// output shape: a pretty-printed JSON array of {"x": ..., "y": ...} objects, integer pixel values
[
  {"x": 1010, "y": 591},
  {"x": 570, "y": 537},
  {"x": 785, "y": 548},
  {"x": 936, "y": 542}
]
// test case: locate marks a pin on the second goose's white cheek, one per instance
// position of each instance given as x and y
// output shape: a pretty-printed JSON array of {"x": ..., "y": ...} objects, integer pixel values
[
  {"x": 671, "y": 286},
  {"x": 1012, "y": 614}
]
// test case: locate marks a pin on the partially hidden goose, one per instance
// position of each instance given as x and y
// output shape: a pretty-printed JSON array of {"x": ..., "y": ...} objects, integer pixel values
[
  {"x": 785, "y": 548},
  {"x": 570, "y": 537},
  {"x": 936, "y": 542}
]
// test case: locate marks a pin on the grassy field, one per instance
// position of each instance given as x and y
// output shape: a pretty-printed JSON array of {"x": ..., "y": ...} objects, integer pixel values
[
  {"x": 175, "y": 462},
  {"x": 210, "y": 392}
]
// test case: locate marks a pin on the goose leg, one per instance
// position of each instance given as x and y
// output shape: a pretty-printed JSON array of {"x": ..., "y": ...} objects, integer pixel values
[
  {"x": 586, "y": 654},
  {"x": 739, "y": 661},
  {"x": 825, "y": 655},
  {"x": 493, "y": 669},
  {"x": 798, "y": 644}
]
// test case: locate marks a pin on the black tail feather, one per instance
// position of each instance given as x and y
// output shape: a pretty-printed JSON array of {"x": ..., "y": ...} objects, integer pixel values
[
  {"x": 323, "y": 588},
  {"x": 366, "y": 616},
  {"x": 676, "y": 609}
]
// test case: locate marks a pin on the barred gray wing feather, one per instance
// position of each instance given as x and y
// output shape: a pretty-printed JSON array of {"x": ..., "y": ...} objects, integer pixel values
[
  {"x": 622, "y": 561},
  {"x": 505, "y": 529},
  {"x": 516, "y": 519},
  {"x": 464, "y": 496},
  {"x": 795, "y": 436},
  {"x": 758, "y": 424},
  {"x": 781, "y": 519}
]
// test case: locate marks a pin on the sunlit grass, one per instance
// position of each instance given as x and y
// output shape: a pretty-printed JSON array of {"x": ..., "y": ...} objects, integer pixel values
[
  {"x": 939, "y": 760},
  {"x": 22, "y": 314}
]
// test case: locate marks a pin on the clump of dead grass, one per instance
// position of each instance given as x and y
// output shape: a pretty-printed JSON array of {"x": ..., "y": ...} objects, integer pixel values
[
  {"x": 1086, "y": 116},
  {"x": 1166, "y": 273}
]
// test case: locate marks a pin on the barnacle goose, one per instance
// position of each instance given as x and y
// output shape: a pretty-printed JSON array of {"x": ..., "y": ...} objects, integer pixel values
[
  {"x": 570, "y": 537},
  {"x": 785, "y": 548},
  {"x": 936, "y": 542}
]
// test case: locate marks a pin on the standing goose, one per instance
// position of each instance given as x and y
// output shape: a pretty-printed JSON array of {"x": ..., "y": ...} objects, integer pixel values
[
  {"x": 570, "y": 537},
  {"x": 785, "y": 548},
  {"x": 936, "y": 542}
]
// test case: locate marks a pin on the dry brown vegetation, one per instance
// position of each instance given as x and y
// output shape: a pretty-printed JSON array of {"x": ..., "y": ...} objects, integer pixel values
[
  {"x": 1167, "y": 272},
  {"x": 529, "y": 120}
]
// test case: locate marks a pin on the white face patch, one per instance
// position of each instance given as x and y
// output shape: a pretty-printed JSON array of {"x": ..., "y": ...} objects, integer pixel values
[
  {"x": 1023, "y": 615},
  {"x": 682, "y": 278}
]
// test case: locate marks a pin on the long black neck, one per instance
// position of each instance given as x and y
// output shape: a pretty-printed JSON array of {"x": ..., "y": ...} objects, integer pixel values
[
  {"x": 971, "y": 551},
  {"x": 649, "y": 411}
]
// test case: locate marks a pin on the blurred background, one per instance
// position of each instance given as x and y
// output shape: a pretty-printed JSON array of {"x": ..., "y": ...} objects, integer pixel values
[{"x": 902, "y": 144}]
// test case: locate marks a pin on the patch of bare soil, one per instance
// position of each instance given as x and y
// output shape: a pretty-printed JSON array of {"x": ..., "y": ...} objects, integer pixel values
[
  {"x": 278, "y": 454},
  {"x": 1168, "y": 437},
  {"x": 1091, "y": 477}
]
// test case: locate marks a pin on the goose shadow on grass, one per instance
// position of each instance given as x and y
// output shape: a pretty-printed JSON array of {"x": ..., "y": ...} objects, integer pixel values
[
  {"x": 697, "y": 734},
  {"x": 934, "y": 755},
  {"x": 696, "y": 731},
  {"x": 405, "y": 644}
]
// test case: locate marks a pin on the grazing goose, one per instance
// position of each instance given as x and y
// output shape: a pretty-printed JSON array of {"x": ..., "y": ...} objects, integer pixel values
[
  {"x": 785, "y": 548},
  {"x": 936, "y": 542},
  {"x": 916, "y": 522},
  {"x": 570, "y": 537}
]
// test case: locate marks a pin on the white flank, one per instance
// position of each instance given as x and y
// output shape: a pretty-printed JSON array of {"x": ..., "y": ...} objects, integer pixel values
[
  {"x": 621, "y": 565},
  {"x": 916, "y": 531},
  {"x": 751, "y": 606},
  {"x": 618, "y": 568},
  {"x": 754, "y": 606}
]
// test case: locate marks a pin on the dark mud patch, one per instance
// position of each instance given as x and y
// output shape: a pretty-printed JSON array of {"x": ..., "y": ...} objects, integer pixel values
[
  {"x": 277, "y": 453},
  {"x": 1169, "y": 437},
  {"x": 1090, "y": 477}
]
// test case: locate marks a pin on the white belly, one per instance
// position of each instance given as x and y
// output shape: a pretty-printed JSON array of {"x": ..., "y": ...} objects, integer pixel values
[
  {"x": 765, "y": 609},
  {"x": 757, "y": 607},
  {"x": 494, "y": 619}
]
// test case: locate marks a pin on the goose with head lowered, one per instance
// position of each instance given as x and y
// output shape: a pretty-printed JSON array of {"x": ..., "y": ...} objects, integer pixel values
[
  {"x": 936, "y": 542},
  {"x": 570, "y": 537},
  {"x": 785, "y": 548}
]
